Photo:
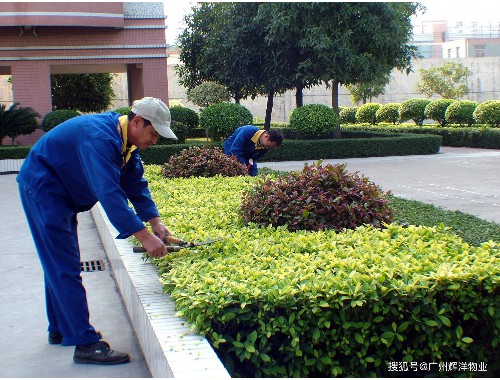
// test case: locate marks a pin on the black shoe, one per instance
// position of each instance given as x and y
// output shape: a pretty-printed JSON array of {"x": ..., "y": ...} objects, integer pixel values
[
  {"x": 57, "y": 337},
  {"x": 99, "y": 353}
]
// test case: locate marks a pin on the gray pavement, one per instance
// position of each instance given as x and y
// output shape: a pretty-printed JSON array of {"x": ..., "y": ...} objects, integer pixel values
[
  {"x": 461, "y": 179},
  {"x": 24, "y": 351},
  {"x": 457, "y": 179}
]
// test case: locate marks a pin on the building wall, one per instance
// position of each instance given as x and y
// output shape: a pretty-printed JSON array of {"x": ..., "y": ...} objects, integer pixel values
[
  {"x": 484, "y": 85},
  {"x": 40, "y": 39}
]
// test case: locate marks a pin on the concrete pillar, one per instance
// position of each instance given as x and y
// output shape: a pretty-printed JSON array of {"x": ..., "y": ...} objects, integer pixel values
[
  {"x": 135, "y": 82},
  {"x": 156, "y": 79},
  {"x": 31, "y": 86}
]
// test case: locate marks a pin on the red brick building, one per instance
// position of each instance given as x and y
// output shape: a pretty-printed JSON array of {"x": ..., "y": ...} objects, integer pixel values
[{"x": 40, "y": 39}]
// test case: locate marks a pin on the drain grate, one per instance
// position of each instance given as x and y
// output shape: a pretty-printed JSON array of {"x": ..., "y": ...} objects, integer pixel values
[{"x": 92, "y": 266}]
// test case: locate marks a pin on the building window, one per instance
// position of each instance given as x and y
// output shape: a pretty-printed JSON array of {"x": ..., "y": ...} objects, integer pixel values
[
  {"x": 458, "y": 51},
  {"x": 449, "y": 53},
  {"x": 479, "y": 50}
]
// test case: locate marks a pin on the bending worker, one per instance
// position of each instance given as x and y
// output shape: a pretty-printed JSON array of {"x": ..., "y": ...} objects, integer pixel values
[
  {"x": 249, "y": 143},
  {"x": 84, "y": 160}
]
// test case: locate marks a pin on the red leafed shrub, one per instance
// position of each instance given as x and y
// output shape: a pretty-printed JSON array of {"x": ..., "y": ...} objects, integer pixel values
[
  {"x": 203, "y": 162},
  {"x": 318, "y": 197}
]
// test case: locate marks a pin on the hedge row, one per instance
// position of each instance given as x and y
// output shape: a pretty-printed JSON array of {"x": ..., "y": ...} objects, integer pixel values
[
  {"x": 322, "y": 304},
  {"x": 359, "y": 144},
  {"x": 470, "y": 137}
]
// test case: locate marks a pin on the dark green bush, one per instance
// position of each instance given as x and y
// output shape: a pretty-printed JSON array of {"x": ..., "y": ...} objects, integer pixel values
[
  {"x": 388, "y": 113},
  {"x": 203, "y": 162},
  {"x": 122, "y": 110},
  {"x": 436, "y": 110},
  {"x": 222, "y": 119},
  {"x": 367, "y": 113},
  {"x": 319, "y": 197},
  {"x": 314, "y": 120},
  {"x": 488, "y": 113},
  {"x": 413, "y": 109},
  {"x": 181, "y": 132},
  {"x": 348, "y": 115},
  {"x": 16, "y": 120},
  {"x": 186, "y": 116},
  {"x": 461, "y": 112},
  {"x": 54, "y": 118}
]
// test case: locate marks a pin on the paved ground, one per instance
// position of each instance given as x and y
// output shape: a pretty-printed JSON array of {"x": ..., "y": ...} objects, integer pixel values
[
  {"x": 456, "y": 179},
  {"x": 24, "y": 351}
]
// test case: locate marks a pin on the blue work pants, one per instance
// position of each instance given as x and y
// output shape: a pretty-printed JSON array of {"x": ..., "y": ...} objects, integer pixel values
[{"x": 54, "y": 232}]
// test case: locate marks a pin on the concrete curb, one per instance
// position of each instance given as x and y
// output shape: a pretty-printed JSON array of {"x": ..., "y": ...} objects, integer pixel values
[{"x": 170, "y": 347}]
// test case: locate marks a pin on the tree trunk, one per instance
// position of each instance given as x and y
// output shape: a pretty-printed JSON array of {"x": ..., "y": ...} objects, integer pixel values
[
  {"x": 299, "y": 96},
  {"x": 237, "y": 97},
  {"x": 269, "y": 110},
  {"x": 335, "y": 105}
]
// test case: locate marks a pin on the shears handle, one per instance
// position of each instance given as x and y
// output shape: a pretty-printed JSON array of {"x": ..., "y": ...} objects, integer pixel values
[{"x": 170, "y": 248}]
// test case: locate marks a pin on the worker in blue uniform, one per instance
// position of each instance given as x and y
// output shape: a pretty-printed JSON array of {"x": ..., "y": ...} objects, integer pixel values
[
  {"x": 249, "y": 143},
  {"x": 84, "y": 160}
]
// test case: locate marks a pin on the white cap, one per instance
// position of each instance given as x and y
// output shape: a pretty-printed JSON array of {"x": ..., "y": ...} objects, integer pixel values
[{"x": 154, "y": 110}]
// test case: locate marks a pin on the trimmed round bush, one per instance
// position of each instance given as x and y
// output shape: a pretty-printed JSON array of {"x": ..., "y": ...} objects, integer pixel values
[
  {"x": 186, "y": 116},
  {"x": 348, "y": 115},
  {"x": 208, "y": 93},
  {"x": 221, "y": 119},
  {"x": 388, "y": 113},
  {"x": 317, "y": 198},
  {"x": 54, "y": 118},
  {"x": 314, "y": 120},
  {"x": 488, "y": 113},
  {"x": 203, "y": 162},
  {"x": 461, "y": 112},
  {"x": 413, "y": 109},
  {"x": 367, "y": 113},
  {"x": 436, "y": 110},
  {"x": 123, "y": 110}
]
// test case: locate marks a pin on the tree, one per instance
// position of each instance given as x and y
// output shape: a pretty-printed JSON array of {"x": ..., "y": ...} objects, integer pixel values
[
  {"x": 268, "y": 48},
  {"x": 82, "y": 92},
  {"x": 16, "y": 121},
  {"x": 361, "y": 92},
  {"x": 448, "y": 81},
  {"x": 208, "y": 93}
]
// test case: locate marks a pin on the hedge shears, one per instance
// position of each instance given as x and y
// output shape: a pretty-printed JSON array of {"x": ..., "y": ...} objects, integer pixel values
[{"x": 175, "y": 245}]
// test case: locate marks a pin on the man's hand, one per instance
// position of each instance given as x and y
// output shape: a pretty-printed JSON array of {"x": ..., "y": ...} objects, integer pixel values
[
  {"x": 158, "y": 228},
  {"x": 155, "y": 247}
]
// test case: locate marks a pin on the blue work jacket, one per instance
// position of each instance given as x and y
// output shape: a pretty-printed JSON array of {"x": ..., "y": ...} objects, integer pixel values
[
  {"x": 240, "y": 144},
  {"x": 79, "y": 163}
]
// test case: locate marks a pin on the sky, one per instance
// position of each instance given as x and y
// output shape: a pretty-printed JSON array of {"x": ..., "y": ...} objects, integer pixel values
[{"x": 481, "y": 11}]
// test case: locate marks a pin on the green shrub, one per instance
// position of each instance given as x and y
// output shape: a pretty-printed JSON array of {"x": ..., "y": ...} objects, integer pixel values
[
  {"x": 413, "y": 109},
  {"x": 208, "y": 93},
  {"x": 461, "y": 112},
  {"x": 488, "y": 113},
  {"x": 388, "y": 113},
  {"x": 222, "y": 119},
  {"x": 436, "y": 110},
  {"x": 122, "y": 110},
  {"x": 186, "y": 116},
  {"x": 319, "y": 197},
  {"x": 275, "y": 303},
  {"x": 54, "y": 118},
  {"x": 314, "y": 120},
  {"x": 348, "y": 115},
  {"x": 203, "y": 162},
  {"x": 181, "y": 132},
  {"x": 367, "y": 113}
]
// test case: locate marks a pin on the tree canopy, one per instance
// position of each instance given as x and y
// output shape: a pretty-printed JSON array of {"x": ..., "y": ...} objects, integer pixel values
[
  {"x": 271, "y": 47},
  {"x": 447, "y": 81}
]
